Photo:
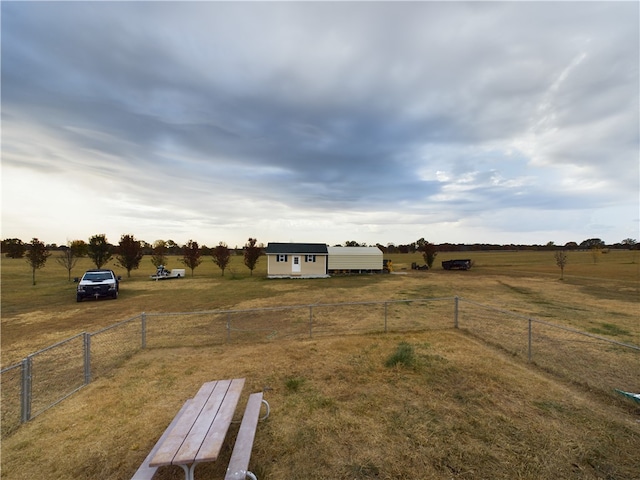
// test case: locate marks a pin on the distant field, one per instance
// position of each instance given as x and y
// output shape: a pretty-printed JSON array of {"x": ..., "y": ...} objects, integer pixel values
[
  {"x": 34, "y": 317},
  {"x": 460, "y": 409}
]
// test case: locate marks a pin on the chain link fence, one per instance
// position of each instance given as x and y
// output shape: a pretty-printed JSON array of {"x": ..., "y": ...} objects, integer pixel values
[
  {"x": 48, "y": 376},
  {"x": 597, "y": 363}
]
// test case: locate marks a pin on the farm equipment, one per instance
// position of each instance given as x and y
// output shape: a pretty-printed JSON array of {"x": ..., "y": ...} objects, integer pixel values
[
  {"x": 456, "y": 264},
  {"x": 415, "y": 266},
  {"x": 164, "y": 274},
  {"x": 387, "y": 266}
]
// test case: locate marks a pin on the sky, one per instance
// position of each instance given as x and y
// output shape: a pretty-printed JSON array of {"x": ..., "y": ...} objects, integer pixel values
[{"x": 324, "y": 122}]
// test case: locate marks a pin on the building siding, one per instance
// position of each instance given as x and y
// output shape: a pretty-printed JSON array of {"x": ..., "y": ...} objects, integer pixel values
[
  {"x": 307, "y": 269},
  {"x": 355, "y": 258}
]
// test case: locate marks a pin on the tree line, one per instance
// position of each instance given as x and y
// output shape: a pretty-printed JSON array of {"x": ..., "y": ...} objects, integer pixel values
[{"x": 130, "y": 251}]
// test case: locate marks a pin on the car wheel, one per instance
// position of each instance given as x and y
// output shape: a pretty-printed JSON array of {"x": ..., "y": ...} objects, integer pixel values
[{"x": 78, "y": 298}]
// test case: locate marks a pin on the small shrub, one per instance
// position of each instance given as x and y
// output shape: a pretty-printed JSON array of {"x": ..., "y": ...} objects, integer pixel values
[{"x": 404, "y": 355}]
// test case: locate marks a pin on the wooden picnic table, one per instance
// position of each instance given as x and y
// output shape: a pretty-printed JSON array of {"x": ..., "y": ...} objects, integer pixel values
[{"x": 199, "y": 433}]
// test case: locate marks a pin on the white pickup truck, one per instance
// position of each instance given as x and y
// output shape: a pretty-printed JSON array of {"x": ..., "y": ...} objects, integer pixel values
[{"x": 164, "y": 274}]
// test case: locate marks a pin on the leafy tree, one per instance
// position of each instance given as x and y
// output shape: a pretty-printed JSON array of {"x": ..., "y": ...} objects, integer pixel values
[
  {"x": 630, "y": 242},
  {"x": 130, "y": 253},
  {"x": 221, "y": 256},
  {"x": 80, "y": 248},
  {"x": 429, "y": 254},
  {"x": 67, "y": 259},
  {"x": 561, "y": 261},
  {"x": 99, "y": 250},
  {"x": 252, "y": 253},
  {"x": 13, "y": 248},
  {"x": 37, "y": 256},
  {"x": 592, "y": 243},
  {"x": 173, "y": 247},
  {"x": 191, "y": 255},
  {"x": 159, "y": 253}
]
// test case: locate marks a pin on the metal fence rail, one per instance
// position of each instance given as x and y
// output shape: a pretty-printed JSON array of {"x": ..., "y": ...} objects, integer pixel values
[{"x": 48, "y": 376}]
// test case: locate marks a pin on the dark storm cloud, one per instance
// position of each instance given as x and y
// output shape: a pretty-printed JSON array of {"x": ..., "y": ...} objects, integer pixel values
[{"x": 330, "y": 106}]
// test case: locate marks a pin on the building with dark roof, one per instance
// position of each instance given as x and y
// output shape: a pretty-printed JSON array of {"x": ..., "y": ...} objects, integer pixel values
[{"x": 296, "y": 260}]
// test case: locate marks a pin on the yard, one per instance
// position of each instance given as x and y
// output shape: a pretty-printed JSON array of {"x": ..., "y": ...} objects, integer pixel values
[{"x": 457, "y": 408}]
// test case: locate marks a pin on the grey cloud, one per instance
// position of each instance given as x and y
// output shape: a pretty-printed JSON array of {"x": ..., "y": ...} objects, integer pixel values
[{"x": 331, "y": 105}]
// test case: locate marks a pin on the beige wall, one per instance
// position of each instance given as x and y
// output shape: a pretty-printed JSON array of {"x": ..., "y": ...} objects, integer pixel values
[
  {"x": 319, "y": 267},
  {"x": 355, "y": 258}
]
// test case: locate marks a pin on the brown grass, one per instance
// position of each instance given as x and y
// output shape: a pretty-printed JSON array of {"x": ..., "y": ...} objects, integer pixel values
[{"x": 462, "y": 410}]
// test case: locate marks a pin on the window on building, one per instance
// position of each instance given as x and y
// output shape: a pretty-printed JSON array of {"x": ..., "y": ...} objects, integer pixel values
[
  {"x": 310, "y": 258},
  {"x": 281, "y": 258}
]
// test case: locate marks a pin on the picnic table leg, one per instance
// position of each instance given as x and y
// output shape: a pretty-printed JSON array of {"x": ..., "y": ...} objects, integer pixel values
[{"x": 188, "y": 471}]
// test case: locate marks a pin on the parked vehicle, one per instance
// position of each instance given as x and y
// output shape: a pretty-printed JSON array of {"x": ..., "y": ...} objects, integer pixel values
[
  {"x": 164, "y": 274},
  {"x": 98, "y": 283},
  {"x": 456, "y": 264}
]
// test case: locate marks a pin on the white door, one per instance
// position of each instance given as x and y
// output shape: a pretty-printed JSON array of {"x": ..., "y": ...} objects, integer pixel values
[{"x": 295, "y": 266}]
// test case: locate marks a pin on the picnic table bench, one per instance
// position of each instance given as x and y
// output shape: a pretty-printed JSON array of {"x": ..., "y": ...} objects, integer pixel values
[{"x": 198, "y": 431}]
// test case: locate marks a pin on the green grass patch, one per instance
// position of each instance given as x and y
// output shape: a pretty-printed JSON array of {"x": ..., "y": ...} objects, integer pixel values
[
  {"x": 294, "y": 384},
  {"x": 404, "y": 355},
  {"x": 609, "y": 329}
]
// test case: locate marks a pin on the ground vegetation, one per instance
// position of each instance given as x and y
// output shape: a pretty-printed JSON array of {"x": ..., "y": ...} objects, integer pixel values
[{"x": 442, "y": 403}]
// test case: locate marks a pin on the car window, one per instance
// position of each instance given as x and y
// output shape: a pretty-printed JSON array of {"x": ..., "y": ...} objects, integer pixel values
[{"x": 97, "y": 277}]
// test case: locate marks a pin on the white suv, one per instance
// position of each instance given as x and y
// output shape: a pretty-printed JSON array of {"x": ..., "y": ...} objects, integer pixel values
[{"x": 98, "y": 283}]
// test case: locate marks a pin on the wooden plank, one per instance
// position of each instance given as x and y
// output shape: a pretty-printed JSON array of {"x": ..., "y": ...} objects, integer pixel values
[
  {"x": 241, "y": 454},
  {"x": 177, "y": 435},
  {"x": 192, "y": 443},
  {"x": 145, "y": 472},
  {"x": 215, "y": 436}
]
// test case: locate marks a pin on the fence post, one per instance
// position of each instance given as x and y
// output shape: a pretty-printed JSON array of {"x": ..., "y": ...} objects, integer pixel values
[
  {"x": 530, "y": 340},
  {"x": 87, "y": 358},
  {"x": 144, "y": 329},
  {"x": 25, "y": 403},
  {"x": 310, "y": 321},
  {"x": 385, "y": 317},
  {"x": 455, "y": 311}
]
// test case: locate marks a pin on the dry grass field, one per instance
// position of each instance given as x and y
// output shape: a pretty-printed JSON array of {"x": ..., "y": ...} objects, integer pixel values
[{"x": 456, "y": 408}]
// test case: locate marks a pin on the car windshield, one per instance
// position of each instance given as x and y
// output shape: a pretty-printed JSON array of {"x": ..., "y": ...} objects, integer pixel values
[{"x": 97, "y": 276}]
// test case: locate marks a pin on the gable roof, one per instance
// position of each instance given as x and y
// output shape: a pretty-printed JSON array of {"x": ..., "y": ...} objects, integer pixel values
[{"x": 293, "y": 248}]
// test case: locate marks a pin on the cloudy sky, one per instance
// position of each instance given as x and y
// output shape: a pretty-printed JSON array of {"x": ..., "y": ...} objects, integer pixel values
[{"x": 321, "y": 122}]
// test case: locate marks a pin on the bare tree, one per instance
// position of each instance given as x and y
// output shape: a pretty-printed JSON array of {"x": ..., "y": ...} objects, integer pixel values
[
  {"x": 221, "y": 256},
  {"x": 561, "y": 261},
  {"x": 99, "y": 250},
  {"x": 130, "y": 253},
  {"x": 191, "y": 255},
  {"x": 67, "y": 259},
  {"x": 37, "y": 256},
  {"x": 252, "y": 253}
]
